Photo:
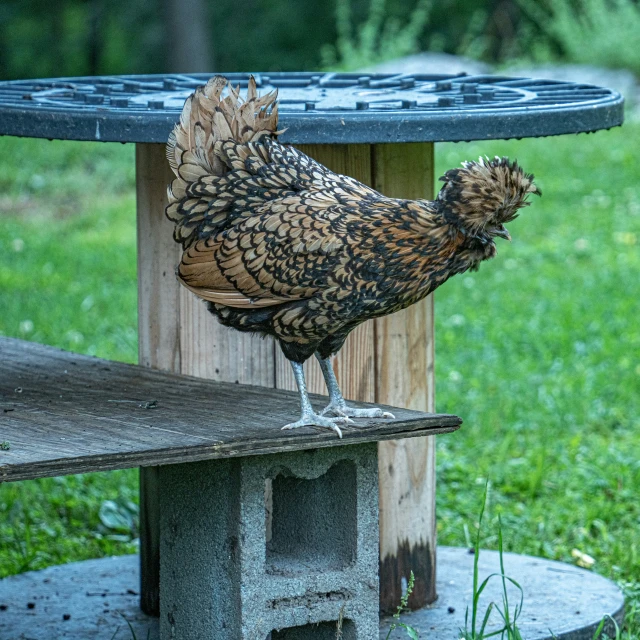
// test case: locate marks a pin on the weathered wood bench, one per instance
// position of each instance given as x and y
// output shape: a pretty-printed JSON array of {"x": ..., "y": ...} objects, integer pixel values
[{"x": 236, "y": 561}]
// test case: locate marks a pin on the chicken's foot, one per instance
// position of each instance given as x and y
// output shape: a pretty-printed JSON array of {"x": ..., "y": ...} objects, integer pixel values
[
  {"x": 309, "y": 417},
  {"x": 337, "y": 404}
]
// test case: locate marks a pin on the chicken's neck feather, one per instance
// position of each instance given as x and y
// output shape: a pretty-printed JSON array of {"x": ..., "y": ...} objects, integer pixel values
[
  {"x": 421, "y": 250},
  {"x": 461, "y": 248}
]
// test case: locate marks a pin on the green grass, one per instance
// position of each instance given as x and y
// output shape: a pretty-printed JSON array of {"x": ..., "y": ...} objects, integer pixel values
[
  {"x": 538, "y": 351},
  {"x": 67, "y": 278},
  {"x": 67, "y": 245},
  {"x": 539, "y": 354}
]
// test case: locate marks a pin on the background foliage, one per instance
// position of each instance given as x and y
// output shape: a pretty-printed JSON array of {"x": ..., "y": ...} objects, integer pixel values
[{"x": 86, "y": 37}]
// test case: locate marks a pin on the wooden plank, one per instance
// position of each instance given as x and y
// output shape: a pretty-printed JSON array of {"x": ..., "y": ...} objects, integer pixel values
[
  {"x": 209, "y": 350},
  {"x": 405, "y": 377},
  {"x": 158, "y": 255},
  {"x": 65, "y": 413},
  {"x": 354, "y": 365},
  {"x": 177, "y": 333},
  {"x": 158, "y": 331}
]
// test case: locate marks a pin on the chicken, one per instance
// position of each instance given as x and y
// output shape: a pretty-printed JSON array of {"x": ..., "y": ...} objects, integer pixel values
[{"x": 278, "y": 244}]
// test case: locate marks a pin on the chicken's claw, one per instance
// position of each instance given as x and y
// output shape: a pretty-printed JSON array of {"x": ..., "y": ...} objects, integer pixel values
[
  {"x": 351, "y": 412},
  {"x": 314, "y": 420}
]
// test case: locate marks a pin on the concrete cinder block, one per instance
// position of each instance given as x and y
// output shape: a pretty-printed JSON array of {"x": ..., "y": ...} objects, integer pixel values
[{"x": 241, "y": 562}]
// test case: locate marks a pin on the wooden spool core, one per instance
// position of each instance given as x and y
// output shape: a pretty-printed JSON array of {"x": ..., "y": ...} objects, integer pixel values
[{"x": 390, "y": 360}]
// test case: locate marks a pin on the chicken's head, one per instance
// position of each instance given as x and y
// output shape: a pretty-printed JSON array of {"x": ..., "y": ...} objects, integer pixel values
[{"x": 482, "y": 196}]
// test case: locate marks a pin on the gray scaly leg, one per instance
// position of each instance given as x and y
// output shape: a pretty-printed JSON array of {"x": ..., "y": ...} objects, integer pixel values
[
  {"x": 309, "y": 417},
  {"x": 337, "y": 404}
]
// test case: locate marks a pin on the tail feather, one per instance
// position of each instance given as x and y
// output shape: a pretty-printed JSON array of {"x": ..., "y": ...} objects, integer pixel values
[{"x": 208, "y": 120}]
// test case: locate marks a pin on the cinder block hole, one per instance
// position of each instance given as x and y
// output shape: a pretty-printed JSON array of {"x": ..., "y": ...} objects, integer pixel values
[
  {"x": 320, "y": 631},
  {"x": 312, "y": 523}
]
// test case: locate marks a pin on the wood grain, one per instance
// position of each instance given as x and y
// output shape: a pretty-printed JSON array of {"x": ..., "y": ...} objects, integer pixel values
[
  {"x": 405, "y": 377},
  {"x": 158, "y": 332},
  {"x": 158, "y": 255},
  {"x": 64, "y": 413},
  {"x": 209, "y": 350}
]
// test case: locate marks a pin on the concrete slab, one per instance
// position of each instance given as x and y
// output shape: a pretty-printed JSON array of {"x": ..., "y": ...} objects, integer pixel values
[
  {"x": 96, "y": 594},
  {"x": 558, "y": 597}
]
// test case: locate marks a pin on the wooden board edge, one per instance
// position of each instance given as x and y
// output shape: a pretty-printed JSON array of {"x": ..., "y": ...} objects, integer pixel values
[{"x": 198, "y": 453}]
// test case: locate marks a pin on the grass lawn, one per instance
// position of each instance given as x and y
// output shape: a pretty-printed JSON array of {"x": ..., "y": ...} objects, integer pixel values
[{"x": 538, "y": 351}]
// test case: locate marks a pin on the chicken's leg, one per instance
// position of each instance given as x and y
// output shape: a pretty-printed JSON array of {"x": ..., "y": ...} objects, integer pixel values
[
  {"x": 337, "y": 404},
  {"x": 309, "y": 417}
]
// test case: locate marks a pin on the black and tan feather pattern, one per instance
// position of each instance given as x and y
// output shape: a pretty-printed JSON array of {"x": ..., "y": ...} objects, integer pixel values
[
  {"x": 484, "y": 194},
  {"x": 277, "y": 243},
  {"x": 206, "y": 120}
]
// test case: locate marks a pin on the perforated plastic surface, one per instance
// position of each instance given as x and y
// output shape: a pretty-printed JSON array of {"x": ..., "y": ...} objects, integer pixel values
[{"x": 316, "y": 107}]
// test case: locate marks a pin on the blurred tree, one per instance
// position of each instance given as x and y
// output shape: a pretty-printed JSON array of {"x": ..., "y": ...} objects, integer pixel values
[
  {"x": 95, "y": 35},
  {"x": 79, "y": 37},
  {"x": 189, "y": 36},
  {"x": 272, "y": 35},
  {"x": 594, "y": 32},
  {"x": 493, "y": 31},
  {"x": 84, "y": 37},
  {"x": 379, "y": 37}
]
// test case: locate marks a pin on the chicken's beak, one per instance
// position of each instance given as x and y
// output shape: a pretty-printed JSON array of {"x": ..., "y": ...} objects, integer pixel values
[{"x": 502, "y": 232}]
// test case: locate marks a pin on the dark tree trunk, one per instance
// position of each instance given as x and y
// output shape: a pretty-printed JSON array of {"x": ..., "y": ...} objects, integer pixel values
[
  {"x": 94, "y": 40},
  {"x": 189, "y": 36}
]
